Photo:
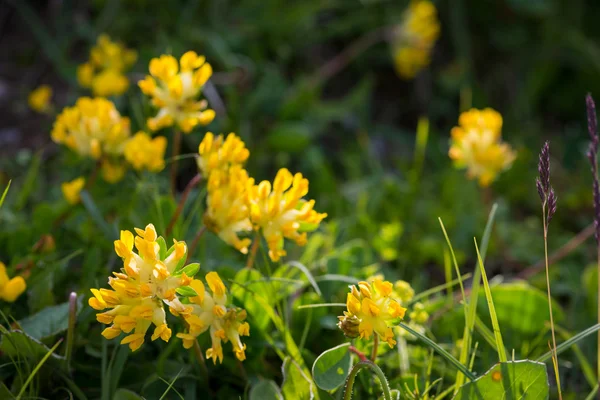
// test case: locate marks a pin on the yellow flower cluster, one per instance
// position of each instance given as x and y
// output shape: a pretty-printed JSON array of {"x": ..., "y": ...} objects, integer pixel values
[
  {"x": 415, "y": 38},
  {"x": 39, "y": 99},
  {"x": 477, "y": 145},
  {"x": 10, "y": 289},
  {"x": 210, "y": 312},
  {"x": 236, "y": 205},
  {"x": 72, "y": 189},
  {"x": 174, "y": 88},
  {"x": 154, "y": 276},
  {"x": 371, "y": 308},
  {"x": 104, "y": 72},
  {"x": 143, "y": 152}
]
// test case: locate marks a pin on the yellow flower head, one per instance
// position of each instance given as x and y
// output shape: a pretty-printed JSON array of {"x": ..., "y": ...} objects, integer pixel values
[
  {"x": 143, "y": 152},
  {"x": 210, "y": 312},
  {"x": 371, "y": 307},
  {"x": 149, "y": 278},
  {"x": 220, "y": 153},
  {"x": 93, "y": 128},
  {"x": 10, "y": 289},
  {"x": 227, "y": 211},
  {"x": 39, "y": 99},
  {"x": 477, "y": 145},
  {"x": 174, "y": 88},
  {"x": 104, "y": 71},
  {"x": 415, "y": 38},
  {"x": 280, "y": 212},
  {"x": 113, "y": 171},
  {"x": 72, "y": 189}
]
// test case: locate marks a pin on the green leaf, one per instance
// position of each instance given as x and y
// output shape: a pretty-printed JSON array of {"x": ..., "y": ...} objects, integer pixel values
[
  {"x": 251, "y": 281},
  {"x": 190, "y": 270},
  {"x": 265, "y": 390},
  {"x": 19, "y": 344},
  {"x": 290, "y": 137},
  {"x": 30, "y": 182},
  {"x": 96, "y": 215},
  {"x": 162, "y": 252},
  {"x": 515, "y": 380},
  {"x": 186, "y": 291},
  {"x": 295, "y": 385},
  {"x": 125, "y": 394},
  {"x": 49, "y": 321},
  {"x": 332, "y": 367}
]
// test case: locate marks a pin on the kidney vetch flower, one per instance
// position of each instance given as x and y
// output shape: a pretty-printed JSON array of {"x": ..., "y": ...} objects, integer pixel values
[{"x": 10, "y": 289}]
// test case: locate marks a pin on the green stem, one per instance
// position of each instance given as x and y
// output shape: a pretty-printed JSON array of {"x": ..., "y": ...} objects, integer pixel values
[
  {"x": 375, "y": 346},
  {"x": 352, "y": 376},
  {"x": 71, "y": 328}
]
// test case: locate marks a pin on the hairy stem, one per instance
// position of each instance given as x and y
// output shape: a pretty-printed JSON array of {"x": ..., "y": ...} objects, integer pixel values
[
  {"x": 253, "y": 250},
  {"x": 352, "y": 376},
  {"x": 375, "y": 346}
]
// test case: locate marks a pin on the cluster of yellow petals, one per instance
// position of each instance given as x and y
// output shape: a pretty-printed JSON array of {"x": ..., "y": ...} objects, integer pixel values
[
  {"x": 146, "y": 281},
  {"x": 174, "y": 88},
  {"x": 477, "y": 145},
  {"x": 39, "y": 99},
  {"x": 415, "y": 38},
  {"x": 104, "y": 72},
  {"x": 279, "y": 211},
  {"x": 210, "y": 312},
  {"x": 72, "y": 189},
  {"x": 93, "y": 127},
  {"x": 10, "y": 289},
  {"x": 219, "y": 153},
  {"x": 227, "y": 209},
  {"x": 143, "y": 152},
  {"x": 371, "y": 308}
]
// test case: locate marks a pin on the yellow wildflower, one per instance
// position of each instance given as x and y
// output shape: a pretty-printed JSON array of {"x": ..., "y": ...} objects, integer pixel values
[
  {"x": 39, "y": 99},
  {"x": 93, "y": 128},
  {"x": 219, "y": 153},
  {"x": 227, "y": 211},
  {"x": 72, "y": 189},
  {"x": 10, "y": 289},
  {"x": 415, "y": 37},
  {"x": 143, "y": 152},
  {"x": 371, "y": 307},
  {"x": 148, "y": 279},
  {"x": 280, "y": 212},
  {"x": 477, "y": 145},
  {"x": 210, "y": 312},
  {"x": 113, "y": 172},
  {"x": 174, "y": 88},
  {"x": 404, "y": 291},
  {"x": 104, "y": 72}
]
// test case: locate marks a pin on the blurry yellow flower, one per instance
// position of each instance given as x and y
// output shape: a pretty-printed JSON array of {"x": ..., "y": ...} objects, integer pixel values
[
  {"x": 477, "y": 145},
  {"x": 143, "y": 152},
  {"x": 280, "y": 212},
  {"x": 39, "y": 99},
  {"x": 148, "y": 279},
  {"x": 10, "y": 289},
  {"x": 104, "y": 71},
  {"x": 72, "y": 189},
  {"x": 174, "y": 88},
  {"x": 404, "y": 291},
  {"x": 109, "y": 82},
  {"x": 219, "y": 153},
  {"x": 227, "y": 210},
  {"x": 113, "y": 172},
  {"x": 210, "y": 312},
  {"x": 93, "y": 128},
  {"x": 370, "y": 308},
  {"x": 415, "y": 37}
]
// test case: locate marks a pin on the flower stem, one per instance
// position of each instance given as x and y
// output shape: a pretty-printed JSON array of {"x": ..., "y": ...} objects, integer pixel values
[
  {"x": 176, "y": 150},
  {"x": 359, "y": 353},
  {"x": 375, "y": 346},
  {"x": 554, "y": 356},
  {"x": 192, "y": 248},
  {"x": 191, "y": 184},
  {"x": 352, "y": 376},
  {"x": 201, "y": 361},
  {"x": 71, "y": 328},
  {"x": 253, "y": 250}
]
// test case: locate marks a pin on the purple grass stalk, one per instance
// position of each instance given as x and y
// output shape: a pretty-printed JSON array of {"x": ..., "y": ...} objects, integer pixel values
[
  {"x": 548, "y": 198},
  {"x": 592, "y": 155}
]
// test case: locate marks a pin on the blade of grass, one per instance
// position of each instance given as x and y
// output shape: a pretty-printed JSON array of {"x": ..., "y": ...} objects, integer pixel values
[
  {"x": 593, "y": 393},
  {"x": 447, "y": 356},
  {"x": 586, "y": 368},
  {"x": 4, "y": 194},
  {"x": 30, "y": 181},
  {"x": 568, "y": 343},
  {"x": 492, "y": 308},
  {"x": 321, "y": 305},
  {"x": 439, "y": 288},
  {"x": 171, "y": 385},
  {"x": 37, "y": 368},
  {"x": 96, "y": 215}
]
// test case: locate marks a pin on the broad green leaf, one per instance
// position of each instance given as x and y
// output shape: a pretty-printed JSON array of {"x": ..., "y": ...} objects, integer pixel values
[
  {"x": 515, "y": 380},
  {"x": 125, "y": 394},
  {"x": 186, "y": 291},
  {"x": 49, "y": 321},
  {"x": 523, "y": 308},
  {"x": 19, "y": 344},
  {"x": 295, "y": 385},
  {"x": 332, "y": 367},
  {"x": 265, "y": 390}
]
